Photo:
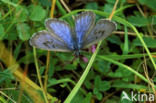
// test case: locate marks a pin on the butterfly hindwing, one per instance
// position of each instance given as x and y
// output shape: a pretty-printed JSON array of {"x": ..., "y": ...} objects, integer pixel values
[
  {"x": 102, "y": 29},
  {"x": 84, "y": 23},
  {"x": 44, "y": 40},
  {"x": 61, "y": 30}
]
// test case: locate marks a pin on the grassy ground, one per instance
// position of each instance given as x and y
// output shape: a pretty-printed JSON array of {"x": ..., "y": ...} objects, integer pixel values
[{"x": 123, "y": 63}]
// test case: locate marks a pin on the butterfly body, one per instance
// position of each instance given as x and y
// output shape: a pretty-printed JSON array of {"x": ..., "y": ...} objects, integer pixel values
[{"x": 59, "y": 36}]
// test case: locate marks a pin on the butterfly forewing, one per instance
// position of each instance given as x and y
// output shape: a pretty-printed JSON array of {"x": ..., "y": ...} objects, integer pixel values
[
  {"x": 102, "y": 29},
  {"x": 60, "y": 37},
  {"x": 61, "y": 30},
  {"x": 84, "y": 23},
  {"x": 44, "y": 40}
]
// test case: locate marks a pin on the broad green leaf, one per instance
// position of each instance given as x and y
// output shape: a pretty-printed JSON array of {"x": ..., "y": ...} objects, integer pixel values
[
  {"x": 104, "y": 86},
  {"x": 97, "y": 82},
  {"x": 21, "y": 14},
  {"x": 108, "y": 8},
  {"x": 23, "y": 30},
  {"x": 88, "y": 98},
  {"x": 150, "y": 42},
  {"x": 120, "y": 72},
  {"x": 78, "y": 98},
  {"x": 52, "y": 82},
  {"x": 101, "y": 85},
  {"x": 88, "y": 84},
  {"x": 139, "y": 21},
  {"x": 103, "y": 66},
  {"x": 92, "y": 5},
  {"x": 149, "y": 3},
  {"x": 37, "y": 13},
  {"x": 97, "y": 93}
]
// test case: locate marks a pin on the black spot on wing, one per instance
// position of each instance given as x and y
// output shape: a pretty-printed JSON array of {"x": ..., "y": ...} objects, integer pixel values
[
  {"x": 99, "y": 32},
  {"x": 49, "y": 44}
]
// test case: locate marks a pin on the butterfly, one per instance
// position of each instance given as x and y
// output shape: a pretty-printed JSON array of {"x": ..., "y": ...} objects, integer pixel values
[{"x": 59, "y": 36}]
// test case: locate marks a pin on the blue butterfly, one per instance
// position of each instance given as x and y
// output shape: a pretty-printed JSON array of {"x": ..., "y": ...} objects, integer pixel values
[{"x": 59, "y": 36}]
